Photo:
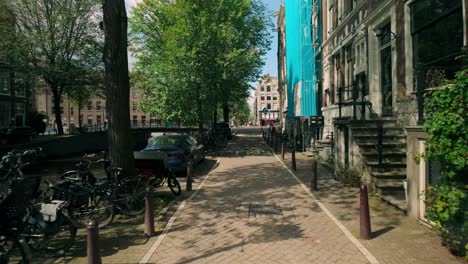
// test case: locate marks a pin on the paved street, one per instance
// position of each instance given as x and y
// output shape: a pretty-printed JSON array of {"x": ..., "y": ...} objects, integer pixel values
[{"x": 251, "y": 210}]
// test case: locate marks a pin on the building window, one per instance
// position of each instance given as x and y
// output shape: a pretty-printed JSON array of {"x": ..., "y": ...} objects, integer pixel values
[
  {"x": 262, "y": 98},
  {"x": 98, "y": 119},
  {"x": 275, "y": 98},
  {"x": 275, "y": 106},
  {"x": 90, "y": 119},
  {"x": 269, "y": 106},
  {"x": 268, "y": 98},
  {"x": 143, "y": 120},
  {"x": 437, "y": 34},
  {"x": 135, "y": 120},
  {"x": 268, "y": 88},
  {"x": 262, "y": 88},
  {"x": 61, "y": 110},
  {"x": 98, "y": 105},
  {"x": 20, "y": 90},
  {"x": 133, "y": 92},
  {"x": 90, "y": 106},
  {"x": 71, "y": 111},
  {"x": 5, "y": 84},
  {"x": 134, "y": 106},
  {"x": 4, "y": 114}
]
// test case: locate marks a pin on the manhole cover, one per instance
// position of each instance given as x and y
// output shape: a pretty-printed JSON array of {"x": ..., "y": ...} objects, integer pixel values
[{"x": 264, "y": 209}]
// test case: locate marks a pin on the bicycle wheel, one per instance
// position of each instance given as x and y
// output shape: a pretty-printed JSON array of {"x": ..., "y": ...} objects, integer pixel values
[
  {"x": 174, "y": 185},
  {"x": 131, "y": 197},
  {"x": 53, "y": 239},
  {"x": 100, "y": 208},
  {"x": 12, "y": 251}
]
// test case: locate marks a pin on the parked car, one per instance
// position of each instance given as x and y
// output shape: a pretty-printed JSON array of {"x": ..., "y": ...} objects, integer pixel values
[
  {"x": 16, "y": 135},
  {"x": 223, "y": 128},
  {"x": 179, "y": 148}
]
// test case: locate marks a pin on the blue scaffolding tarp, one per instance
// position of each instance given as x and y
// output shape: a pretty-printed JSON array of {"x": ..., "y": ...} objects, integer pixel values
[{"x": 300, "y": 59}]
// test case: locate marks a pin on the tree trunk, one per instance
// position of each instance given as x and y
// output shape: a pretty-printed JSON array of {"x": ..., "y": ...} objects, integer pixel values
[
  {"x": 117, "y": 85},
  {"x": 58, "y": 114},
  {"x": 226, "y": 112}
]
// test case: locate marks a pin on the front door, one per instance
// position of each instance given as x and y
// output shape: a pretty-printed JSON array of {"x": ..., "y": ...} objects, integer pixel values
[{"x": 386, "y": 70}]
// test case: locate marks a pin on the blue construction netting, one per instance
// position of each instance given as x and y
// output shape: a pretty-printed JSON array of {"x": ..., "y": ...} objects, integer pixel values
[{"x": 300, "y": 58}]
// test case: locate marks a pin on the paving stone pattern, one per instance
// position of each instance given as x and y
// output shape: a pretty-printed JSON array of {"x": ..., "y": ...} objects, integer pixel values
[{"x": 250, "y": 210}]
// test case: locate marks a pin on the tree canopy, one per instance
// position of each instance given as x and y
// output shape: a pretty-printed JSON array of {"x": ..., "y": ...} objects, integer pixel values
[
  {"x": 193, "y": 56},
  {"x": 57, "y": 41}
]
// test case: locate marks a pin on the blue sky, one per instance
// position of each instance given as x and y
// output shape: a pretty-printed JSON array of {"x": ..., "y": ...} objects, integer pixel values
[{"x": 271, "y": 58}]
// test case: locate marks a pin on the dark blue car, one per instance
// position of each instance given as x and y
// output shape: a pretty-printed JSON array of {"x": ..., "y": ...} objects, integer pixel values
[{"x": 179, "y": 148}]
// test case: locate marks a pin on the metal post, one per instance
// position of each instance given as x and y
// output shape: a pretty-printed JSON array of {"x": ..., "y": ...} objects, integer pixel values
[
  {"x": 364, "y": 214},
  {"x": 293, "y": 159},
  {"x": 149, "y": 214},
  {"x": 276, "y": 141},
  {"x": 313, "y": 178},
  {"x": 189, "y": 175},
  {"x": 94, "y": 256}
]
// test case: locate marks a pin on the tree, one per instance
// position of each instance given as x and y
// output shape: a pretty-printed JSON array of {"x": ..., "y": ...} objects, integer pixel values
[
  {"x": 57, "y": 41},
  {"x": 193, "y": 56},
  {"x": 117, "y": 84}
]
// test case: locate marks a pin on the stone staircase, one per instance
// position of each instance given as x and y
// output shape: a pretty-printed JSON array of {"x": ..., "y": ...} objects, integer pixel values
[{"x": 386, "y": 179}]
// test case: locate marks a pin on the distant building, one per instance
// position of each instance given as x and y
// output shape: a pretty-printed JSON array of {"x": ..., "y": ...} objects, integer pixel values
[
  {"x": 14, "y": 92},
  {"x": 267, "y": 102},
  {"x": 92, "y": 113}
]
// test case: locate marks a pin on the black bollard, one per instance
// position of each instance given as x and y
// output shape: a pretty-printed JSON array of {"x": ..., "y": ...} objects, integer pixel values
[
  {"x": 94, "y": 256},
  {"x": 313, "y": 178},
  {"x": 293, "y": 159},
  {"x": 282, "y": 151},
  {"x": 188, "y": 186},
  {"x": 149, "y": 214},
  {"x": 364, "y": 212},
  {"x": 273, "y": 141}
]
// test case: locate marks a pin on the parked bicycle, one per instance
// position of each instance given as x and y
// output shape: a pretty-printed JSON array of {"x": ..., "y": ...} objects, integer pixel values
[{"x": 26, "y": 223}]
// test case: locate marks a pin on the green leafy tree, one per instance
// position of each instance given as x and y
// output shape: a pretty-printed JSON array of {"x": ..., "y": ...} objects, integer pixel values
[
  {"x": 193, "y": 56},
  {"x": 447, "y": 123},
  {"x": 57, "y": 41}
]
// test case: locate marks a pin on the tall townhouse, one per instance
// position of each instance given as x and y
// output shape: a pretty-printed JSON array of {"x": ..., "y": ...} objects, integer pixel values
[
  {"x": 267, "y": 101},
  {"x": 378, "y": 59}
]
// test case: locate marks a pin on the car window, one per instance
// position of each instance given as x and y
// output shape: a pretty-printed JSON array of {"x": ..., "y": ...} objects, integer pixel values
[{"x": 164, "y": 140}]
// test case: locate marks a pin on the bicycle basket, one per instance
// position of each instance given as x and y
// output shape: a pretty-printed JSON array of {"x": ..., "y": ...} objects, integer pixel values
[{"x": 74, "y": 196}]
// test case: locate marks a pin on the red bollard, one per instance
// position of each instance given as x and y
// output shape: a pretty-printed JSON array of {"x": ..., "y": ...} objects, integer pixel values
[
  {"x": 282, "y": 151},
  {"x": 364, "y": 212},
  {"x": 313, "y": 178},
  {"x": 94, "y": 256},
  {"x": 293, "y": 159},
  {"x": 149, "y": 214},
  {"x": 188, "y": 186}
]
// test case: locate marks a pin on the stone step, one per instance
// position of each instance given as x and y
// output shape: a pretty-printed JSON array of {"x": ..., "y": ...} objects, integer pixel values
[
  {"x": 374, "y": 139},
  {"x": 389, "y": 175},
  {"x": 397, "y": 200},
  {"x": 386, "y": 122},
  {"x": 385, "y": 152},
  {"x": 387, "y": 144},
  {"x": 375, "y": 164},
  {"x": 386, "y": 168},
  {"x": 389, "y": 185},
  {"x": 371, "y": 131},
  {"x": 386, "y": 159}
]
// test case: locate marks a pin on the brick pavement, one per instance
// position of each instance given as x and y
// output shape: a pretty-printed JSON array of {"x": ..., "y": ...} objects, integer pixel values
[
  {"x": 397, "y": 239},
  {"x": 251, "y": 210}
]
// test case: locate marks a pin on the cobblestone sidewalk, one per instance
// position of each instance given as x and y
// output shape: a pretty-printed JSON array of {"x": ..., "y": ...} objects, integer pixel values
[
  {"x": 251, "y": 210},
  {"x": 396, "y": 238}
]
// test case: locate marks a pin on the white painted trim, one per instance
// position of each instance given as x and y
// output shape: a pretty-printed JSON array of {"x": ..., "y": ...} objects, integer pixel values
[{"x": 347, "y": 233}]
